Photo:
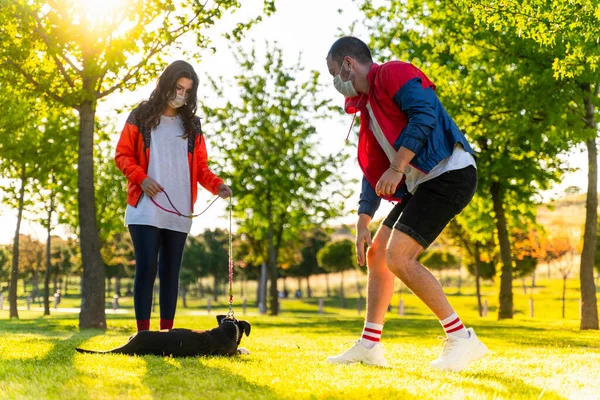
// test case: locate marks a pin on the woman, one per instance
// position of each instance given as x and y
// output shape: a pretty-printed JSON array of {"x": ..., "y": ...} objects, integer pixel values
[{"x": 162, "y": 152}]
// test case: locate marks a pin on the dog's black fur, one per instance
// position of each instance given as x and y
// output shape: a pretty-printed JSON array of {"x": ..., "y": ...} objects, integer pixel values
[{"x": 222, "y": 340}]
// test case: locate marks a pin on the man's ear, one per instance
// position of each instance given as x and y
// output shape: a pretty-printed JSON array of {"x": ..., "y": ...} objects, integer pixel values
[
  {"x": 245, "y": 325},
  {"x": 220, "y": 318}
]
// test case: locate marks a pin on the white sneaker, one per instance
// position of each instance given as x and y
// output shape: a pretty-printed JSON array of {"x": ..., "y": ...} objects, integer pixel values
[
  {"x": 458, "y": 352},
  {"x": 359, "y": 353}
]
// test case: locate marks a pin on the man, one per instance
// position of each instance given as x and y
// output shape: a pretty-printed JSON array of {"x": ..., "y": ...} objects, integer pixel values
[{"x": 410, "y": 151}]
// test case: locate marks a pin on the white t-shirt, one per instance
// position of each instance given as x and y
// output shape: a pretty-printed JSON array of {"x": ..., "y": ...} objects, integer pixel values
[
  {"x": 169, "y": 167},
  {"x": 459, "y": 159}
]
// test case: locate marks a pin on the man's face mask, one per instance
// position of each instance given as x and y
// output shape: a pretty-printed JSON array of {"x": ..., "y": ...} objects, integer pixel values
[
  {"x": 177, "y": 102},
  {"x": 344, "y": 87}
]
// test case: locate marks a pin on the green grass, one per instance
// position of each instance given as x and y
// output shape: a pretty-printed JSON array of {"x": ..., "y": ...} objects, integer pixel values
[{"x": 544, "y": 357}]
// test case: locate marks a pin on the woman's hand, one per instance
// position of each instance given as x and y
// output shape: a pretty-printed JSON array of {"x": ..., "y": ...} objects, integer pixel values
[
  {"x": 224, "y": 191},
  {"x": 151, "y": 187},
  {"x": 388, "y": 182}
]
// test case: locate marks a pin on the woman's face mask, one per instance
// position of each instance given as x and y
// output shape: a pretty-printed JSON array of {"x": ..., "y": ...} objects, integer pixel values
[
  {"x": 177, "y": 101},
  {"x": 344, "y": 87}
]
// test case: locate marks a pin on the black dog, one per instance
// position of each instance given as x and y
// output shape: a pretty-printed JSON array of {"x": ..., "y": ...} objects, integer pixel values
[{"x": 222, "y": 340}]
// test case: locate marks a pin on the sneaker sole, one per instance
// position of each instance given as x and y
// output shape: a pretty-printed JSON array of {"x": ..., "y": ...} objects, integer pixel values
[
  {"x": 386, "y": 365},
  {"x": 477, "y": 354}
]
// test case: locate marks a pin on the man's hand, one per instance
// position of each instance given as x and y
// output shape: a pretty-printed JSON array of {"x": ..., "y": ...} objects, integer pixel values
[
  {"x": 151, "y": 187},
  {"x": 388, "y": 182},
  {"x": 362, "y": 236},
  {"x": 224, "y": 191}
]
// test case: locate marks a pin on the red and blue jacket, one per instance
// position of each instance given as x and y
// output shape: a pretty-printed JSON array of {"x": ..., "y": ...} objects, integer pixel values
[{"x": 406, "y": 108}]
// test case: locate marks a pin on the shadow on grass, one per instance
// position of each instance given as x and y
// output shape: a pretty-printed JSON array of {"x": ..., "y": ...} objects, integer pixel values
[
  {"x": 193, "y": 379},
  {"x": 45, "y": 375},
  {"x": 511, "y": 387}
]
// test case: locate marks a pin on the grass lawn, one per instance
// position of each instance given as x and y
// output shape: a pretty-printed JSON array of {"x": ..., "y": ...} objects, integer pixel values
[{"x": 544, "y": 357}]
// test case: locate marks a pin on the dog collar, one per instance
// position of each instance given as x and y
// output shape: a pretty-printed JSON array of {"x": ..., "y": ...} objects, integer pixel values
[{"x": 237, "y": 329}]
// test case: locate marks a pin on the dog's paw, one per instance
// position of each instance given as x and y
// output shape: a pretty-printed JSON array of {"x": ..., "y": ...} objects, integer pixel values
[{"x": 243, "y": 350}]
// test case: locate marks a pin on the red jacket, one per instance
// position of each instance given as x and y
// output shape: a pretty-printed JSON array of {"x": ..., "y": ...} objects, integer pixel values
[
  {"x": 133, "y": 156},
  {"x": 384, "y": 82}
]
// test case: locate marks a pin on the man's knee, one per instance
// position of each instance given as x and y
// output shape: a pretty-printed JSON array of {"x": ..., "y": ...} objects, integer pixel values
[
  {"x": 376, "y": 257},
  {"x": 401, "y": 257}
]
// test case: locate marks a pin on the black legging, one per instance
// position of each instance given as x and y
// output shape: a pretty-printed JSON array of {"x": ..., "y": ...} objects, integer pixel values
[{"x": 156, "y": 248}]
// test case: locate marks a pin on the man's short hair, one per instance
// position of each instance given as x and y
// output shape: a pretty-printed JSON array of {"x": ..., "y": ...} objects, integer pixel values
[{"x": 351, "y": 47}]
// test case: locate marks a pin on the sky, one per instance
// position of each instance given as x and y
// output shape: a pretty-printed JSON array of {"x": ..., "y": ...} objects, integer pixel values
[{"x": 306, "y": 27}]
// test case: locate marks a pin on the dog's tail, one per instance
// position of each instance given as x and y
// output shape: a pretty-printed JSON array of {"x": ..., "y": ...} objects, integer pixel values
[{"x": 90, "y": 351}]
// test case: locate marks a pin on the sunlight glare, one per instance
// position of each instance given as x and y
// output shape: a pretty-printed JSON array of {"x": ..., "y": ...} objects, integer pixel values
[{"x": 100, "y": 12}]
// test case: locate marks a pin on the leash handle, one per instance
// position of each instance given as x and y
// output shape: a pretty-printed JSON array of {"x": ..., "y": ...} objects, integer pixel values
[{"x": 176, "y": 212}]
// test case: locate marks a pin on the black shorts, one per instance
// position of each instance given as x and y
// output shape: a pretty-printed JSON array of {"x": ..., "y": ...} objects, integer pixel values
[{"x": 424, "y": 215}]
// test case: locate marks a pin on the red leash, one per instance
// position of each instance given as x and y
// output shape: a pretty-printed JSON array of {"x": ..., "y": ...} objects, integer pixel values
[{"x": 176, "y": 212}]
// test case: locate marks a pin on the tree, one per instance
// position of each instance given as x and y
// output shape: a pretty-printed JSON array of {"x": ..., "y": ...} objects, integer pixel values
[
  {"x": 338, "y": 256},
  {"x": 215, "y": 261},
  {"x": 267, "y": 140},
  {"x": 515, "y": 133},
  {"x": 23, "y": 140},
  {"x": 527, "y": 252},
  {"x": 574, "y": 60},
  {"x": 309, "y": 264},
  {"x": 76, "y": 56}
]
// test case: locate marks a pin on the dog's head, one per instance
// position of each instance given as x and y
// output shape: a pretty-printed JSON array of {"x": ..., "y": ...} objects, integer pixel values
[{"x": 242, "y": 326}]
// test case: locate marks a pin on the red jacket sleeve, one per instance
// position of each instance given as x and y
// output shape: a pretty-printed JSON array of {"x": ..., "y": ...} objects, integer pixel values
[
  {"x": 206, "y": 177},
  {"x": 125, "y": 155}
]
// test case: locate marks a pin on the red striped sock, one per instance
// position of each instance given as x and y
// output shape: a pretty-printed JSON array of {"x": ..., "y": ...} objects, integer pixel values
[
  {"x": 166, "y": 324},
  {"x": 143, "y": 325},
  {"x": 454, "y": 327},
  {"x": 371, "y": 334}
]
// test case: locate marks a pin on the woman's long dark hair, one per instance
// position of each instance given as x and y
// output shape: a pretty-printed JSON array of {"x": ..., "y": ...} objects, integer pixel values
[{"x": 166, "y": 89}]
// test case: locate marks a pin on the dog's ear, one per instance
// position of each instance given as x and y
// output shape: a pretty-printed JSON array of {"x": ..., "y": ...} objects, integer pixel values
[
  {"x": 220, "y": 318},
  {"x": 245, "y": 325}
]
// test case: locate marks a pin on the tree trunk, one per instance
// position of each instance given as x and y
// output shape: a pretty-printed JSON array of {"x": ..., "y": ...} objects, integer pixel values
[
  {"x": 35, "y": 282},
  {"x": 299, "y": 284},
  {"x": 183, "y": 295},
  {"x": 273, "y": 292},
  {"x": 308, "y": 289},
  {"x": 14, "y": 273},
  {"x": 327, "y": 285},
  {"x": 342, "y": 290},
  {"x": 589, "y": 310},
  {"x": 93, "y": 299},
  {"x": 263, "y": 288},
  {"x": 216, "y": 288},
  {"x": 524, "y": 285},
  {"x": 117, "y": 283},
  {"x": 459, "y": 280},
  {"x": 201, "y": 288},
  {"x": 48, "y": 256},
  {"x": 564, "y": 293},
  {"x": 533, "y": 280},
  {"x": 477, "y": 285},
  {"x": 357, "y": 281},
  {"x": 506, "y": 295}
]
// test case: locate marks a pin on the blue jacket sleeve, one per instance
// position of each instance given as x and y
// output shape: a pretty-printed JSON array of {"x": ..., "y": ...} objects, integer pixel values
[
  {"x": 369, "y": 201},
  {"x": 415, "y": 102}
]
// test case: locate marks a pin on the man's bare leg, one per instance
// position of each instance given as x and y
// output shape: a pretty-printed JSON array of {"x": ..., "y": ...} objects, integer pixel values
[
  {"x": 380, "y": 283},
  {"x": 401, "y": 258}
]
